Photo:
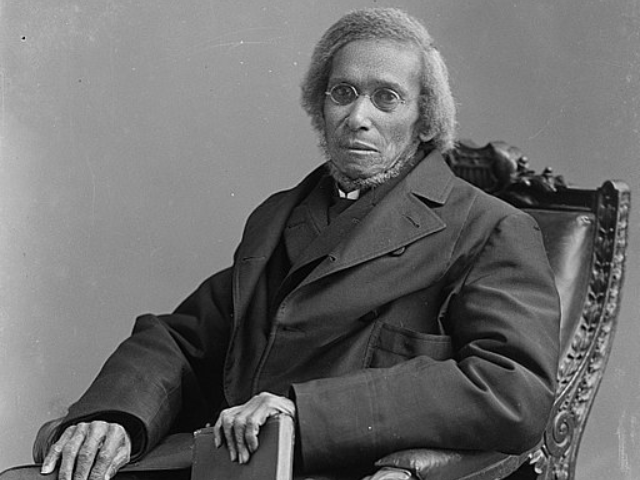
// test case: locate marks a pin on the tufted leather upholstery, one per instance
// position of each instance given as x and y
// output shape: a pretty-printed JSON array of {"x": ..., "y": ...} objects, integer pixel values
[{"x": 569, "y": 240}]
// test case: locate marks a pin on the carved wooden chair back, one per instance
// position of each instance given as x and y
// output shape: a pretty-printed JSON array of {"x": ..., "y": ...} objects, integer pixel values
[{"x": 585, "y": 234}]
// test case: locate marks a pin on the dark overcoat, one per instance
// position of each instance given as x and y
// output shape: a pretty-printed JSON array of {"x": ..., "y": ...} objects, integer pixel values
[{"x": 432, "y": 323}]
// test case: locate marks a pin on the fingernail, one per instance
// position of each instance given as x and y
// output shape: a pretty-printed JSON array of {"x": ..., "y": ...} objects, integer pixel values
[{"x": 46, "y": 469}]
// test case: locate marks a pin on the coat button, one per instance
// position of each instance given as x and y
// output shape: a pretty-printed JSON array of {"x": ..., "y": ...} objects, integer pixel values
[{"x": 398, "y": 252}]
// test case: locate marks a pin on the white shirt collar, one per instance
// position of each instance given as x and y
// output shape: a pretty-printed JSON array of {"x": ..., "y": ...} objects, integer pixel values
[{"x": 352, "y": 195}]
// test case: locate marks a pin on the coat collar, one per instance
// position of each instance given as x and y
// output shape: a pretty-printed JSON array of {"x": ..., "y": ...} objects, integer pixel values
[
  {"x": 402, "y": 217},
  {"x": 261, "y": 235},
  {"x": 431, "y": 179},
  {"x": 264, "y": 226}
]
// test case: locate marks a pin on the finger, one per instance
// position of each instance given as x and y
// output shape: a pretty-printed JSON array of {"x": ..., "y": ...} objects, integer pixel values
[
  {"x": 55, "y": 451},
  {"x": 227, "y": 428},
  {"x": 251, "y": 435},
  {"x": 288, "y": 407},
  {"x": 217, "y": 432},
  {"x": 70, "y": 452},
  {"x": 89, "y": 448},
  {"x": 246, "y": 427},
  {"x": 392, "y": 473},
  {"x": 267, "y": 405},
  {"x": 219, "y": 435},
  {"x": 254, "y": 422},
  {"x": 121, "y": 459},
  {"x": 239, "y": 427},
  {"x": 113, "y": 442}
]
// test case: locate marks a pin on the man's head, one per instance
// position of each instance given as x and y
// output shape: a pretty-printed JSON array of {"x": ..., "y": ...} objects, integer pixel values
[{"x": 392, "y": 31}]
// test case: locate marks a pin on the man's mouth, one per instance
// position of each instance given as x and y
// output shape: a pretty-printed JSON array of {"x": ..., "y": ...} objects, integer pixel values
[{"x": 358, "y": 146}]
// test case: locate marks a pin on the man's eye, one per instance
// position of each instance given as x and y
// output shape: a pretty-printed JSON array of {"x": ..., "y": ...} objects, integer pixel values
[
  {"x": 343, "y": 94},
  {"x": 386, "y": 98}
]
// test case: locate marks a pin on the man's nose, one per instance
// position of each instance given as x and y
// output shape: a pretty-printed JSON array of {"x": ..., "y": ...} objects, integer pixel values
[{"x": 360, "y": 113}]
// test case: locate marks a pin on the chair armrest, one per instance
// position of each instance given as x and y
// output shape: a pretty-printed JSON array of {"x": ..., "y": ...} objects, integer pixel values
[{"x": 434, "y": 464}]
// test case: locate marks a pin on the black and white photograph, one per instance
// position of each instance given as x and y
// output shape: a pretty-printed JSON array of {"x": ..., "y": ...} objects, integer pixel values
[{"x": 319, "y": 240}]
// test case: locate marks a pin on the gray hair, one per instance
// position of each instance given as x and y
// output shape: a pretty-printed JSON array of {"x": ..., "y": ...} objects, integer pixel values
[{"x": 437, "y": 107}]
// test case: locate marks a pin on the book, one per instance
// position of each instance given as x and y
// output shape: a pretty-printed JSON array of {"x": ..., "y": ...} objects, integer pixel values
[{"x": 272, "y": 461}]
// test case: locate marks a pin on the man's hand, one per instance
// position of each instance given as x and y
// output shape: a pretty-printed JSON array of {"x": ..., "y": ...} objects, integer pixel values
[
  {"x": 391, "y": 473},
  {"x": 93, "y": 451},
  {"x": 238, "y": 427}
]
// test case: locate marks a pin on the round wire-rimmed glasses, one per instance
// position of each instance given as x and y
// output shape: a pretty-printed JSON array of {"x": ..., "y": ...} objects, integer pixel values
[{"x": 383, "y": 98}]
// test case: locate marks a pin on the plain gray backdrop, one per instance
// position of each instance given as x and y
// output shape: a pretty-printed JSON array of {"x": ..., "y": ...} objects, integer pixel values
[{"x": 136, "y": 137}]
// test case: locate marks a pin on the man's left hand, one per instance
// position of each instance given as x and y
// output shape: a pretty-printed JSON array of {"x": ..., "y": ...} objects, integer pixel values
[
  {"x": 238, "y": 426},
  {"x": 391, "y": 473}
]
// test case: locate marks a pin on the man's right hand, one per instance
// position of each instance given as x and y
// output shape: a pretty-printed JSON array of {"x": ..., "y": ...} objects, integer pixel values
[{"x": 93, "y": 451}]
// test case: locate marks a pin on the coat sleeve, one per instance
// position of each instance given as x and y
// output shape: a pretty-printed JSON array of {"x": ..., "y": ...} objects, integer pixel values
[
  {"x": 494, "y": 394},
  {"x": 168, "y": 374}
]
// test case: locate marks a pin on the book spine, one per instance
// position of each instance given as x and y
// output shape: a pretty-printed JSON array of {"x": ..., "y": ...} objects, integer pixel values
[{"x": 286, "y": 440}]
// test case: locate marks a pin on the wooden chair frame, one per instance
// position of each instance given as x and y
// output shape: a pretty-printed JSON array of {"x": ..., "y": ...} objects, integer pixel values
[{"x": 503, "y": 171}]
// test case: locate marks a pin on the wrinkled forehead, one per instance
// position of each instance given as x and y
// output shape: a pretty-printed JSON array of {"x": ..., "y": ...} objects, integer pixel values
[{"x": 373, "y": 62}]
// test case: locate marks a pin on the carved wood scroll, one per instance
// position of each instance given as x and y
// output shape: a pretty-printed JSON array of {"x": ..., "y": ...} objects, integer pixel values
[{"x": 504, "y": 171}]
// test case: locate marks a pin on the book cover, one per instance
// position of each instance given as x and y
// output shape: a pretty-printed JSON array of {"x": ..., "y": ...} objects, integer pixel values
[{"x": 272, "y": 460}]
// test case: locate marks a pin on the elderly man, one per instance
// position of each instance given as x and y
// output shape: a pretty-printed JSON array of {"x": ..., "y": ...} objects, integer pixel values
[{"x": 383, "y": 303}]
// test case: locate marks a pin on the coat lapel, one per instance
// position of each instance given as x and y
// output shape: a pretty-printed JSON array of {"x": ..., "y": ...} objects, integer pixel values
[
  {"x": 402, "y": 217},
  {"x": 260, "y": 238}
]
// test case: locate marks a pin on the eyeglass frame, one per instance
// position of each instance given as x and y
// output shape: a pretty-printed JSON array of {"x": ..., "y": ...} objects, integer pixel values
[{"x": 401, "y": 101}]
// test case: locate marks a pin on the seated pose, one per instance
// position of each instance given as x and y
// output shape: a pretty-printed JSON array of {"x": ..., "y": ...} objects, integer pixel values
[{"x": 383, "y": 303}]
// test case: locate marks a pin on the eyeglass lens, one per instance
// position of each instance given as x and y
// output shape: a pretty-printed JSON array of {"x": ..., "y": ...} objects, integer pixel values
[{"x": 383, "y": 98}]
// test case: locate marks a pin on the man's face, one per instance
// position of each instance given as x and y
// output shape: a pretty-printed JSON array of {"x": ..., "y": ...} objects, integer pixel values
[{"x": 361, "y": 139}]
